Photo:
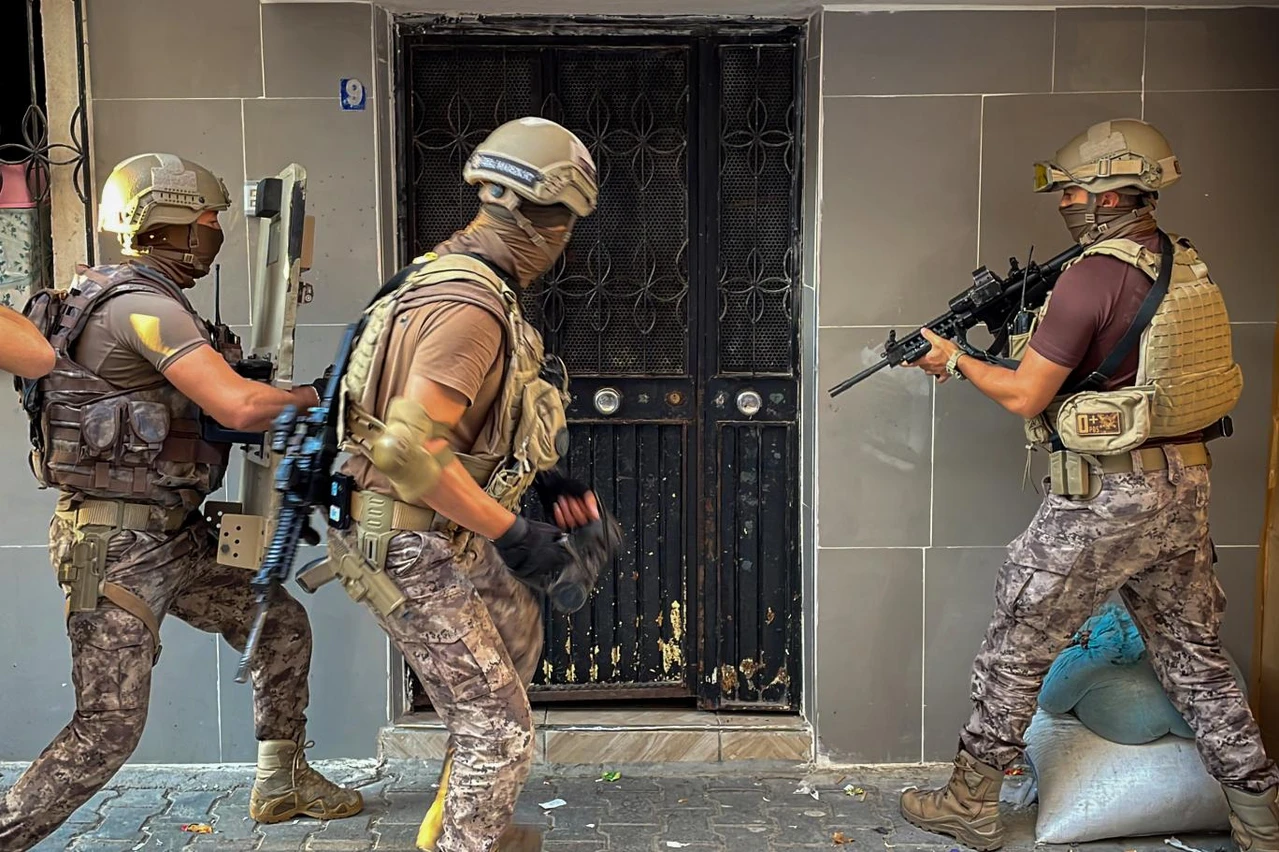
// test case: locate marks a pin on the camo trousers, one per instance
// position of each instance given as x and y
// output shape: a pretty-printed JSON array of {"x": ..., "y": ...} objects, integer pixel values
[
  {"x": 1145, "y": 535},
  {"x": 473, "y": 635},
  {"x": 111, "y": 660}
]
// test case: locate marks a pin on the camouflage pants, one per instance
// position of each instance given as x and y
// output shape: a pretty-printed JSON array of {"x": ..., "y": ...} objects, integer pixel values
[
  {"x": 1145, "y": 535},
  {"x": 473, "y": 635},
  {"x": 111, "y": 661}
]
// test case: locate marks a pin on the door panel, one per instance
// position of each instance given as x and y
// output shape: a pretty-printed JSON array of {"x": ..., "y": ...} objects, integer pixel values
[
  {"x": 675, "y": 297},
  {"x": 750, "y": 473}
]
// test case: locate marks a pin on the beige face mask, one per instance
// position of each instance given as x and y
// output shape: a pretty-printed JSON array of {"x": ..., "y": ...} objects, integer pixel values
[{"x": 531, "y": 259}]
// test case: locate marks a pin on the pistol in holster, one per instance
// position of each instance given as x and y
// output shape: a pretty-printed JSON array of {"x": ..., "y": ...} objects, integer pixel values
[
  {"x": 363, "y": 574},
  {"x": 83, "y": 575}
]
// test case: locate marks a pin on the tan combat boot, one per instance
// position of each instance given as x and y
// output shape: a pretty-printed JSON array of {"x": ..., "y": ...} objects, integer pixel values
[
  {"x": 1254, "y": 819},
  {"x": 285, "y": 787},
  {"x": 967, "y": 808}
]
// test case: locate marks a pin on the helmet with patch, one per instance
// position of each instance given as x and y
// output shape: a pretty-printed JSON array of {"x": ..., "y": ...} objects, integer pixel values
[{"x": 1112, "y": 155}]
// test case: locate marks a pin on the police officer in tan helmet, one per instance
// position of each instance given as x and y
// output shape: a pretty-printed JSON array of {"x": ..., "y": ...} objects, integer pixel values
[
  {"x": 117, "y": 429},
  {"x": 1126, "y": 372},
  {"x": 454, "y": 411}
]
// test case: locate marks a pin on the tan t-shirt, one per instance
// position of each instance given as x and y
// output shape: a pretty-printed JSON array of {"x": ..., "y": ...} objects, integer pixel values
[
  {"x": 458, "y": 345},
  {"x": 133, "y": 338}
]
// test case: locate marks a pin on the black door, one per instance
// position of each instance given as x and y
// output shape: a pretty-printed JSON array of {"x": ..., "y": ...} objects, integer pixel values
[{"x": 675, "y": 311}]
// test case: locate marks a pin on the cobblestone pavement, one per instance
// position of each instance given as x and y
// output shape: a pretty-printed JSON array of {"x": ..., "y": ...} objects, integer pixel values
[{"x": 648, "y": 809}]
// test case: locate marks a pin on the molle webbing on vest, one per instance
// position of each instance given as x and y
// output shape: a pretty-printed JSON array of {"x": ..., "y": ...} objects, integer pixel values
[
  {"x": 142, "y": 444},
  {"x": 1185, "y": 367}
]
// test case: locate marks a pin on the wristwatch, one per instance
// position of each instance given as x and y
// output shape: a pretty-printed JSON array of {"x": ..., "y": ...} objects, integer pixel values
[{"x": 952, "y": 364}]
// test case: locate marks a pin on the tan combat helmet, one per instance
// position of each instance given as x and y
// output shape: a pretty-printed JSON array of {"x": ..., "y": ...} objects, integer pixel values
[
  {"x": 537, "y": 159},
  {"x": 1112, "y": 155},
  {"x": 148, "y": 191}
]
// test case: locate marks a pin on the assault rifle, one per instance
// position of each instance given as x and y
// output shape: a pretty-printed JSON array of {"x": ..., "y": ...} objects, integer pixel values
[
  {"x": 303, "y": 480},
  {"x": 991, "y": 301}
]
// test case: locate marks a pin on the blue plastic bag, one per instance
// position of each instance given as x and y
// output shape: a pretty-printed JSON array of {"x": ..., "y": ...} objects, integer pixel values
[{"x": 1105, "y": 679}]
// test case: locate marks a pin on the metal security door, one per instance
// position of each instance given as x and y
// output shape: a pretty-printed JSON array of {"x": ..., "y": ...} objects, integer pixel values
[{"x": 642, "y": 298}]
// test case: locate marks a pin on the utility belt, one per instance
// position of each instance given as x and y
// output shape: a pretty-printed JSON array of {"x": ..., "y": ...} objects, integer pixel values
[
  {"x": 95, "y": 523},
  {"x": 1078, "y": 475},
  {"x": 377, "y": 519}
]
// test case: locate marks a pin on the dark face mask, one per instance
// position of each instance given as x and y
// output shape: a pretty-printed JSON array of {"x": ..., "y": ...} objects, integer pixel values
[
  {"x": 1076, "y": 218},
  {"x": 172, "y": 243},
  {"x": 206, "y": 242}
]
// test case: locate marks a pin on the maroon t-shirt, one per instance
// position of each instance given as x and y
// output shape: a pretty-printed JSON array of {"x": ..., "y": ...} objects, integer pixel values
[{"x": 1092, "y": 306}]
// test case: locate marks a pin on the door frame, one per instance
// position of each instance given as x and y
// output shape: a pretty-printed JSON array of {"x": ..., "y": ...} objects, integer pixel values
[{"x": 700, "y": 533}]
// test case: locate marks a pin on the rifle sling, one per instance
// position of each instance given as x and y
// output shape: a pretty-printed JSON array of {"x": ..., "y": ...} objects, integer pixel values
[{"x": 1158, "y": 290}]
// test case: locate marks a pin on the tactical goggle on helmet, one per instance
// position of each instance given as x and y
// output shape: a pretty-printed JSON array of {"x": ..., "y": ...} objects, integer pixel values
[
  {"x": 1110, "y": 155},
  {"x": 538, "y": 160}
]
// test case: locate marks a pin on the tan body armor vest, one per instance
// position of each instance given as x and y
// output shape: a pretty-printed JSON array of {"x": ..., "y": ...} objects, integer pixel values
[
  {"x": 1186, "y": 379},
  {"x": 93, "y": 438},
  {"x": 526, "y": 427}
]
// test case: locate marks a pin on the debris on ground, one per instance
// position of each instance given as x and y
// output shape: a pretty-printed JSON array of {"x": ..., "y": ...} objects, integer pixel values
[
  {"x": 856, "y": 791},
  {"x": 552, "y": 804},
  {"x": 805, "y": 790},
  {"x": 197, "y": 828},
  {"x": 610, "y": 777},
  {"x": 1177, "y": 844},
  {"x": 839, "y": 839}
]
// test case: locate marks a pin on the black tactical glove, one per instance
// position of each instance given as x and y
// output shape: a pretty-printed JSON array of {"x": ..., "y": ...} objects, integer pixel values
[
  {"x": 533, "y": 551},
  {"x": 551, "y": 485},
  {"x": 593, "y": 545}
]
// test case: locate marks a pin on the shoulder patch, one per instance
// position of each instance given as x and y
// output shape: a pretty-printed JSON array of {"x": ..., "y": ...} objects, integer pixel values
[{"x": 147, "y": 328}]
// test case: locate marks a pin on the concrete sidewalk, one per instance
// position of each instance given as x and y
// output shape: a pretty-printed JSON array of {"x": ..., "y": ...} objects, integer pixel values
[{"x": 648, "y": 809}]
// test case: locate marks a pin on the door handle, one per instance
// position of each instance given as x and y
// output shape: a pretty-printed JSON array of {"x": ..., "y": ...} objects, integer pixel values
[
  {"x": 607, "y": 401},
  {"x": 749, "y": 403}
]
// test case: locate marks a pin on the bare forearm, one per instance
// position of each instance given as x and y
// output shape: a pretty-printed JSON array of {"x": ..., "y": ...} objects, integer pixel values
[
  {"x": 261, "y": 403},
  {"x": 998, "y": 383},
  {"x": 458, "y": 498},
  {"x": 23, "y": 351}
]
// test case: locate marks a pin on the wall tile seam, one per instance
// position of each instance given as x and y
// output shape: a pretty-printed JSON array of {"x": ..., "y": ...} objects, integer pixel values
[
  {"x": 262, "y": 47},
  {"x": 881, "y": 8},
  {"x": 1028, "y": 94},
  {"x": 923, "y": 638}
]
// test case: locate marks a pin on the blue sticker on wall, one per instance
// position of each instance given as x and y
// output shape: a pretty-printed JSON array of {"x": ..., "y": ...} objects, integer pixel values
[{"x": 352, "y": 93}]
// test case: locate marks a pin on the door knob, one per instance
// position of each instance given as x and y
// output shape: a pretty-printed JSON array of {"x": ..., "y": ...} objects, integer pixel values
[
  {"x": 749, "y": 403},
  {"x": 607, "y": 401}
]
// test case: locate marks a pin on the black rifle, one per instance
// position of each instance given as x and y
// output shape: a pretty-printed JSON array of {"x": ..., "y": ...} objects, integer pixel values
[
  {"x": 990, "y": 300},
  {"x": 304, "y": 480}
]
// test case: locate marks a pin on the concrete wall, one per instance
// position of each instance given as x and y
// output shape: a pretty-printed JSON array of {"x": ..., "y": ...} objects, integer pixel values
[
  {"x": 194, "y": 78},
  {"x": 931, "y": 122}
]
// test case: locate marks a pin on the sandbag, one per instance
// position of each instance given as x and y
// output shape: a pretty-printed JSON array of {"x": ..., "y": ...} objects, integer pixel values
[
  {"x": 1106, "y": 680},
  {"x": 1092, "y": 789}
]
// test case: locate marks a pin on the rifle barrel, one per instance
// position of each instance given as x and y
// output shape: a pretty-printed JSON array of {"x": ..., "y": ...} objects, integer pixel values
[
  {"x": 864, "y": 374},
  {"x": 241, "y": 673}
]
